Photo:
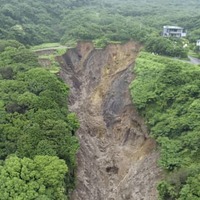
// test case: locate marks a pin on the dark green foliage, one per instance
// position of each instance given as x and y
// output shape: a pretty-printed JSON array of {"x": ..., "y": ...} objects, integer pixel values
[
  {"x": 34, "y": 120},
  {"x": 14, "y": 59},
  {"x": 167, "y": 94},
  {"x": 100, "y": 26},
  {"x": 166, "y": 46},
  {"x": 35, "y": 22},
  {"x": 191, "y": 23},
  {"x": 9, "y": 43}
]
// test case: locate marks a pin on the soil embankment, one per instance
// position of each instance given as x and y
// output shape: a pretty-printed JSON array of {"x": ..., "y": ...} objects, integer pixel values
[{"x": 117, "y": 160}]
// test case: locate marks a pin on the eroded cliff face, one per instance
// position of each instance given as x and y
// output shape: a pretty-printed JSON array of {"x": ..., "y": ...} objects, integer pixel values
[{"x": 117, "y": 160}]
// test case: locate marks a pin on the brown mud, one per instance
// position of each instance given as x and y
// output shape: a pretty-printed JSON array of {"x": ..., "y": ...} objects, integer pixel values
[{"x": 117, "y": 159}]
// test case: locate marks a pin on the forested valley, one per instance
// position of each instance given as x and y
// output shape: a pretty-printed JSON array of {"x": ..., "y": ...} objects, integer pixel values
[{"x": 38, "y": 144}]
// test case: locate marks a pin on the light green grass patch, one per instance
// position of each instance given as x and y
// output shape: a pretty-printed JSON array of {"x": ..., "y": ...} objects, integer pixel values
[{"x": 45, "y": 46}]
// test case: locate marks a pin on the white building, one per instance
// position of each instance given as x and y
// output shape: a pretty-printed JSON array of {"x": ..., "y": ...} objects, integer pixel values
[
  {"x": 173, "y": 31},
  {"x": 198, "y": 43}
]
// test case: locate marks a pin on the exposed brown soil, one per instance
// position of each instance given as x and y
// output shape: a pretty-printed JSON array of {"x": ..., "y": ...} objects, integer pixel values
[{"x": 117, "y": 160}]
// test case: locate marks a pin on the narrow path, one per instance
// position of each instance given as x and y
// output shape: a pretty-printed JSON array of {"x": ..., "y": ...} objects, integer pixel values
[{"x": 193, "y": 60}]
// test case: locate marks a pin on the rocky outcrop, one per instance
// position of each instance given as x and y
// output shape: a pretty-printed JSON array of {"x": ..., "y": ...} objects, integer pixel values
[{"x": 117, "y": 159}]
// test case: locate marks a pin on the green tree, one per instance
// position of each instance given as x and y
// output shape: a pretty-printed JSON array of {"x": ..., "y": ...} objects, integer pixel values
[
  {"x": 34, "y": 116},
  {"x": 191, "y": 189},
  {"x": 166, "y": 92},
  {"x": 29, "y": 179}
]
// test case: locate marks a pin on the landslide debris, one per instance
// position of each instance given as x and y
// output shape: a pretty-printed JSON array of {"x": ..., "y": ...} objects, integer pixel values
[{"x": 117, "y": 160}]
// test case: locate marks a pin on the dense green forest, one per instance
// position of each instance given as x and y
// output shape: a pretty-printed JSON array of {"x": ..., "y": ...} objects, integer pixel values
[
  {"x": 35, "y": 22},
  {"x": 37, "y": 146},
  {"x": 167, "y": 92}
]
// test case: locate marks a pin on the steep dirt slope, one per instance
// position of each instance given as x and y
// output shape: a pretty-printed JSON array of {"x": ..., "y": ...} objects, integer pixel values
[{"x": 117, "y": 159}]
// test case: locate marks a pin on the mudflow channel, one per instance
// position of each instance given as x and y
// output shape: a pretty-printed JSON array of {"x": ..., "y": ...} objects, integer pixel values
[{"x": 117, "y": 160}]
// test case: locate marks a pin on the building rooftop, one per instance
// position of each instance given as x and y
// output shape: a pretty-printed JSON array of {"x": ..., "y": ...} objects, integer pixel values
[{"x": 173, "y": 27}]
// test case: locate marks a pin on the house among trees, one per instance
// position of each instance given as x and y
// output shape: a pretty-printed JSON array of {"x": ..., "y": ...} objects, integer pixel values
[{"x": 173, "y": 31}]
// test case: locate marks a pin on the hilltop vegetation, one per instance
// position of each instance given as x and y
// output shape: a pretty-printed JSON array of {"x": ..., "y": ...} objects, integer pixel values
[
  {"x": 167, "y": 93},
  {"x": 36, "y": 22},
  {"x": 37, "y": 146}
]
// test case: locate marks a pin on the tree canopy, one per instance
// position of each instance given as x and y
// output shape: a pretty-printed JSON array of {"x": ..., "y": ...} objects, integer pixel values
[
  {"x": 167, "y": 92},
  {"x": 36, "y": 22},
  {"x": 27, "y": 179},
  {"x": 35, "y": 126}
]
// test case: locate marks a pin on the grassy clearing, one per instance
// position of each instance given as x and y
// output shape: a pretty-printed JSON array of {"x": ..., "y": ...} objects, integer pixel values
[
  {"x": 59, "y": 50},
  {"x": 46, "y": 46}
]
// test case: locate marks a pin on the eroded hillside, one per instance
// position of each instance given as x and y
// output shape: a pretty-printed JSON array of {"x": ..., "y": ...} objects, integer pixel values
[{"x": 117, "y": 160}]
